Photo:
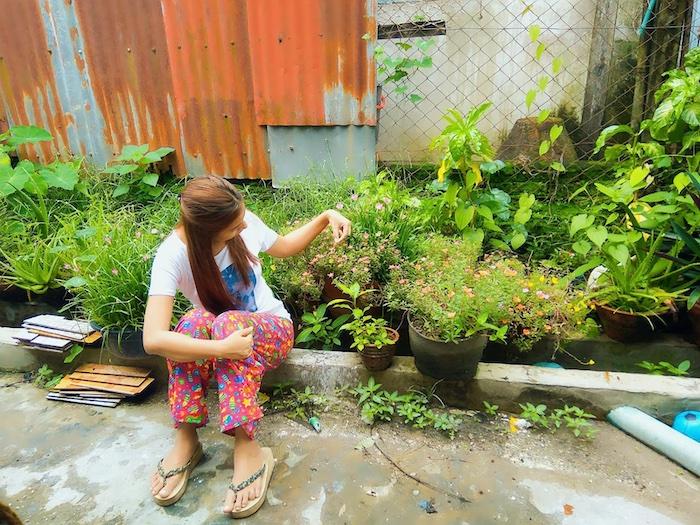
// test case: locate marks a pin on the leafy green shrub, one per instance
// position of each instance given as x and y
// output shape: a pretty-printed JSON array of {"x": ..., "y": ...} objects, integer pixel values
[
  {"x": 133, "y": 168},
  {"x": 317, "y": 329}
]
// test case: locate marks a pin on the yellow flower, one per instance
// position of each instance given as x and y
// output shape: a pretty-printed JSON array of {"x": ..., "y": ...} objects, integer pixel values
[
  {"x": 555, "y": 280},
  {"x": 541, "y": 278},
  {"x": 590, "y": 362}
]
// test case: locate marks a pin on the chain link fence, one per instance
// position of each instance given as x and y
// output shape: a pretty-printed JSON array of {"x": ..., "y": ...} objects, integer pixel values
[{"x": 592, "y": 63}]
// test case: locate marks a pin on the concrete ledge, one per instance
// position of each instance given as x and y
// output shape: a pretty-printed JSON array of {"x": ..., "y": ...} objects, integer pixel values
[{"x": 505, "y": 385}]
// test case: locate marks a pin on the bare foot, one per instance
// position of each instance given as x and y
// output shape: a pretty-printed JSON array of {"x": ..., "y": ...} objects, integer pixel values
[
  {"x": 247, "y": 460},
  {"x": 186, "y": 443}
]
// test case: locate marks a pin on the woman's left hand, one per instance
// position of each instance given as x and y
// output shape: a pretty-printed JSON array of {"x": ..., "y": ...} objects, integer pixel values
[{"x": 340, "y": 225}]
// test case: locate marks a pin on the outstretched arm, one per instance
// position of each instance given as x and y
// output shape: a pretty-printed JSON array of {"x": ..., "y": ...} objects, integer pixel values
[{"x": 297, "y": 241}]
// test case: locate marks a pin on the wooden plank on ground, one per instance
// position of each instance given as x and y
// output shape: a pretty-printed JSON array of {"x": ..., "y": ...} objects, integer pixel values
[
  {"x": 104, "y": 378},
  {"x": 117, "y": 389},
  {"x": 115, "y": 370},
  {"x": 89, "y": 393}
]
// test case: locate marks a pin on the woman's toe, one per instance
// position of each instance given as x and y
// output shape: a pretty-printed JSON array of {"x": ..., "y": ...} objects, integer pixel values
[{"x": 228, "y": 503}]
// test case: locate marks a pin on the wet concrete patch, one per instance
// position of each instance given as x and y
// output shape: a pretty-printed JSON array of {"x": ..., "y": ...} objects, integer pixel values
[{"x": 62, "y": 463}]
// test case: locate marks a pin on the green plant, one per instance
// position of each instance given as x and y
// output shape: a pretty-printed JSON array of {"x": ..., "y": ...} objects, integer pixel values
[
  {"x": 132, "y": 165},
  {"x": 299, "y": 404},
  {"x": 47, "y": 378},
  {"x": 468, "y": 152},
  {"x": 489, "y": 409},
  {"x": 413, "y": 407},
  {"x": 572, "y": 417},
  {"x": 664, "y": 368},
  {"x": 395, "y": 68},
  {"x": 36, "y": 271},
  {"x": 319, "y": 329},
  {"x": 364, "y": 329},
  {"x": 17, "y": 136}
]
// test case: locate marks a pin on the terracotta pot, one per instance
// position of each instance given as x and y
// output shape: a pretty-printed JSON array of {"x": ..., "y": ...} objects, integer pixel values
[
  {"x": 694, "y": 317},
  {"x": 376, "y": 359},
  {"x": 443, "y": 360},
  {"x": 331, "y": 292},
  {"x": 628, "y": 328}
]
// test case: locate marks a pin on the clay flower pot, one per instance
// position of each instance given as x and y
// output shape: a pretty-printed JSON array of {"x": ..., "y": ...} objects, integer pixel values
[
  {"x": 377, "y": 359},
  {"x": 629, "y": 328}
]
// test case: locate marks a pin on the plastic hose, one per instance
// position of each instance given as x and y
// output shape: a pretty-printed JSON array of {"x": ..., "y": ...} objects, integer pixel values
[
  {"x": 647, "y": 17},
  {"x": 660, "y": 437}
]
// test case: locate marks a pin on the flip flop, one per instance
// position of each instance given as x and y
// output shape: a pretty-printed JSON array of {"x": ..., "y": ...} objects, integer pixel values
[
  {"x": 265, "y": 472},
  {"x": 180, "y": 488}
]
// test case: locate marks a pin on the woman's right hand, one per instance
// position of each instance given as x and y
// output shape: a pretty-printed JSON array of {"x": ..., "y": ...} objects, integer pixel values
[{"x": 238, "y": 345}]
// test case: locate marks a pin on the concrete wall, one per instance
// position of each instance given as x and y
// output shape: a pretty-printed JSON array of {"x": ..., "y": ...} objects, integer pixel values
[{"x": 487, "y": 55}]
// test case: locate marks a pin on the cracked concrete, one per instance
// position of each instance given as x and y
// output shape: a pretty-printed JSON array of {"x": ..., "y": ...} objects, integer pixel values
[{"x": 73, "y": 464}]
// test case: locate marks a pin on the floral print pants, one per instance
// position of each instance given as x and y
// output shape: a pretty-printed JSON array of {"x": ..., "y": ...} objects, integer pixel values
[{"x": 238, "y": 380}]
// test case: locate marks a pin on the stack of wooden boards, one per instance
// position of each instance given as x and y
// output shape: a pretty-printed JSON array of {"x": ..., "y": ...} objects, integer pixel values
[
  {"x": 55, "y": 333},
  {"x": 101, "y": 385}
]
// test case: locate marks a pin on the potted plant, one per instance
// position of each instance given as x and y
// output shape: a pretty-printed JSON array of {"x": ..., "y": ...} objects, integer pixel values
[
  {"x": 373, "y": 339},
  {"x": 112, "y": 266},
  {"x": 319, "y": 331}
]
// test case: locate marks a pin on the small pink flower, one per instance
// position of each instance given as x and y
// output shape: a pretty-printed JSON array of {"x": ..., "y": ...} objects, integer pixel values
[
  {"x": 138, "y": 234},
  {"x": 331, "y": 275},
  {"x": 339, "y": 206},
  {"x": 115, "y": 271},
  {"x": 379, "y": 206},
  {"x": 354, "y": 196},
  {"x": 145, "y": 257},
  {"x": 66, "y": 266},
  {"x": 387, "y": 200},
  {"x": 526, "y": 290}
]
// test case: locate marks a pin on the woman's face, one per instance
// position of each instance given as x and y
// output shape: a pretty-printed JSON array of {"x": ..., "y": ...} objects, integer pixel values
[{"x": 232, "y": 230}]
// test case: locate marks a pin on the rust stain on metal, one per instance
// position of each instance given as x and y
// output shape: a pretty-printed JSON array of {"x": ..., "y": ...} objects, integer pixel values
[
  {"x": 130, "y": 81},
  {"x": 27, "y": 82},
  {"x": 311, "y": 65},
  {"x": 210, "y": 59}
]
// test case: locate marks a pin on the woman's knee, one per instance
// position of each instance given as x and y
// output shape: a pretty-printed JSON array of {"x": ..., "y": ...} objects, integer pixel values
[
  {"x": 230, "y": 321},
  {"x": 196, "y": 323}
]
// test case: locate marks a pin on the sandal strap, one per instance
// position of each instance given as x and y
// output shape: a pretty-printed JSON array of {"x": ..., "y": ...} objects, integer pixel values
[
  {"x": 172, "y": 472},
  {"x": 251, "y": 479}
]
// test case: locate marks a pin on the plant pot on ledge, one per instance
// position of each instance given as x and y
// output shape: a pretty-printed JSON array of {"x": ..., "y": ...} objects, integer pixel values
[
  {"x": 126, "y": 343},
  {"x": 377, "y": 359},
  {"x": 628, "y": 327},
  {"x": 446, "y": 360},
  {"x": 332, "y": 293}
]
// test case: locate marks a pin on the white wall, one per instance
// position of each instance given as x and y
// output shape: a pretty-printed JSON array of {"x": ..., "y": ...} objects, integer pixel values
[{"x": 486, "y": 55}]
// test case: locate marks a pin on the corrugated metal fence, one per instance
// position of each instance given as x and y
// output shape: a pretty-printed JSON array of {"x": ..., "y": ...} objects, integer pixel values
[{"x": 241, "y": 88}]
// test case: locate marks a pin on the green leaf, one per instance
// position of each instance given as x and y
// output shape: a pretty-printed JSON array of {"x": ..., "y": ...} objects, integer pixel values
[
  {"x": 522, "y": 215},
  {"x": 150, "y": 179},
  {"x": 581, "y": 247},
  {"x": 415, "y": 97},
  {"x": 597, "y": 234},
  {"x": 580, "y": 222},
  {"x": 517, "y": 241},
  {"x": 27, "y": 135},
  {"x": 133, "y": 153},
  {"x": 557, "y": 64},
  {"x": 554, "y": 132},
  {"x": 557, "y": 166},
  {"x": 545, "y": 145},
  {"x": 63, "y": 175},
  {"x": 542, "y": 83},
  {"x": 527, "y": 200},
  {"x": 680, "y": 181},
  {"x": 684, "y": 366},
  {"x": 474, "y": 236},
  {"x": 74, "y": 282},
  {"x": 693, "y": 297},
  {"x": 540, "y": 51},
  {"x": 638, "y": 174},
  {"x": 544, "y": 115},
  {"x": 464, "y": 216},
  {"x": 120, "y": 190},
  {"x": 530, "y": 98},
  {"x": 121, "y": 169},
  {"x": 74, "y": 352},
  {"x": 534, "y": 31},
  {"x": 619, "y": 252}
]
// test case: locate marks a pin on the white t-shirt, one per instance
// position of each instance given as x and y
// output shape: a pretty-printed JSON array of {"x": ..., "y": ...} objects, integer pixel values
[{"x": 171, "y": 271}]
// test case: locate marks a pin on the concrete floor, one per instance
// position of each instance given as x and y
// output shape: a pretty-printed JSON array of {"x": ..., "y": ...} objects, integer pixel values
[{"x": 73, "y": 464}]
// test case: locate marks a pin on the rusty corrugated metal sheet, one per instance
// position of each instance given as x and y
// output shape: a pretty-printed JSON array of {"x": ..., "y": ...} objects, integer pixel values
[
  {"x": 311, "y": 66},
  {"x": 28, "y": 87},
  {"x": 100, "y": 74},
  {"x": 126, "y": 55},
  {"x": 211, "y": 64}
]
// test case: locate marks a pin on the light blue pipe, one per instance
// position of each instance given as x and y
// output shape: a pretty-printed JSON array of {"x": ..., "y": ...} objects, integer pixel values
[
  {"x": 647, "y": 17},
  {"x": 676, "y": 446}
]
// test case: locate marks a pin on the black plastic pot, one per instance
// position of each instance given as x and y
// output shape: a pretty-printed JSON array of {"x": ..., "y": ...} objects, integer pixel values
[
  {"x": 443, "y": 360},
  {"x": 126, "y": 343}
]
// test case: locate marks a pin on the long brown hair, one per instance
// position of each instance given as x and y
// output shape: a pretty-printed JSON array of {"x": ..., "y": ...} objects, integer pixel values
[{"x": 208, "y": 204}]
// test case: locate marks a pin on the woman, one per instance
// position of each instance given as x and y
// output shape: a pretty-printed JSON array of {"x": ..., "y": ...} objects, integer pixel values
[{"x": 237, "y": 331}]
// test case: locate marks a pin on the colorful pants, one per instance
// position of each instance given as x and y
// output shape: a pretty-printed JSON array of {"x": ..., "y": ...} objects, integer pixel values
[{"x": 238, "y": 380}]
